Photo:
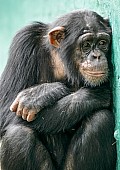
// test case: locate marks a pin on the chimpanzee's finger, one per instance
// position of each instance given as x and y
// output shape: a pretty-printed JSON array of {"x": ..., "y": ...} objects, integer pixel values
[
  {"x": 19, "y": 110},
  {"x": 14, "y": 105},
  {"x": 31, "y": 115},
  {"x": 25, "y": 113}
]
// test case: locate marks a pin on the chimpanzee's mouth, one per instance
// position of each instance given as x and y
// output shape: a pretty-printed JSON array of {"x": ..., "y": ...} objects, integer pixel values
[
  {"x": 95, "y": 77},
  {"x": 95, "y": 73}
]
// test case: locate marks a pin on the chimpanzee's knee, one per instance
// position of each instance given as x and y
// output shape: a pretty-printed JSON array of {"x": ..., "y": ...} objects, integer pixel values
[
  {"x": 21, "y": 150},
  {"x": 93, "y": 145}
]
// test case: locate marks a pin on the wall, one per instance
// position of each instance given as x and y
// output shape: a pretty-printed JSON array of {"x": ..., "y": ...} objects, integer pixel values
[{"x": 15, "y": 14}]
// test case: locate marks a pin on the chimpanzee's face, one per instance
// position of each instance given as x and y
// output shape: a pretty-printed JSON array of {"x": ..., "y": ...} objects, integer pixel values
[
  {"x": 91, "y": 50},
  {"x": 83, "y": 44}
]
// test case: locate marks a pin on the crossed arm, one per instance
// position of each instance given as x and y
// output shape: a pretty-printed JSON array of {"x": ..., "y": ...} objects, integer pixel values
[
  {"x": 32, "y": 100},
  {"x": 59, "y": 108}
]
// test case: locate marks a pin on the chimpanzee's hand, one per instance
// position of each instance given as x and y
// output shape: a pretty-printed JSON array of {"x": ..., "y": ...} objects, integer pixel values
[
  {"x": 30, "y": 101},
  {"x": 25, "y": 105}
]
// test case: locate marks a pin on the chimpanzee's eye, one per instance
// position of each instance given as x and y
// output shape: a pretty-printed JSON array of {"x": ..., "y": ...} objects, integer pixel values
[
  {"x": 103, "y": 44},
  {"x": 86, "y": 46}
]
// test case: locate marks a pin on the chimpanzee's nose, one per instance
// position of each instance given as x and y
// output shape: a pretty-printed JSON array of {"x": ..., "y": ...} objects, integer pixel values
[{"x": 96, "y": 55}]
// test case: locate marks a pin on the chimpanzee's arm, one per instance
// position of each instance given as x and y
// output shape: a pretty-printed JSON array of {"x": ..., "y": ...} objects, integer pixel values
[
  {"x": 30, "y": 101},
  {"x": 71, "y": 109}
]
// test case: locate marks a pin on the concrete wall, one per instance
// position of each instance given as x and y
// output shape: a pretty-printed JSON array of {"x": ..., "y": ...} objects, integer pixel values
[{"x": 15, "y": 14}]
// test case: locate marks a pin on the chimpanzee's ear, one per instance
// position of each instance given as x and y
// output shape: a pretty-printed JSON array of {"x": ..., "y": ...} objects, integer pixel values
[{"x": 56, "y": 35}]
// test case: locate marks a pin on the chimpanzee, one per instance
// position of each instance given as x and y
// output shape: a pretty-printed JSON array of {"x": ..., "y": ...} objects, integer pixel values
[{"x": 57, "y": 80}]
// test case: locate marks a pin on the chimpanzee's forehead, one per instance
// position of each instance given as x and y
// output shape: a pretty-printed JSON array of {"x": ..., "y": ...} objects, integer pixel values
[
  {"x": 93, "y": 24},
  {"x": 87, "y": 19}
]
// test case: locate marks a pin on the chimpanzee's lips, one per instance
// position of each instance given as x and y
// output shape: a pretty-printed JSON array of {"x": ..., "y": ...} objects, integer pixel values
[{"x": 95, "y": 73}]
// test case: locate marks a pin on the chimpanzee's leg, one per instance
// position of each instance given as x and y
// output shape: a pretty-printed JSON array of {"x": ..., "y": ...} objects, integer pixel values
[
  {"x": 22, "y": 150},
  {"x": 93, "y": 145}
]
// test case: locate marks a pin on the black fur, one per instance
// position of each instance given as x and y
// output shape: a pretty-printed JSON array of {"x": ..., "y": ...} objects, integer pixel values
[{"x": 74, "y": 130}]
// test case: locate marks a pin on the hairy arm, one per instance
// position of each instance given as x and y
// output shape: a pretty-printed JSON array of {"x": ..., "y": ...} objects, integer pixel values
[
  {"x": 32, "y": 100},
  {"x": 70, "y": 109}
]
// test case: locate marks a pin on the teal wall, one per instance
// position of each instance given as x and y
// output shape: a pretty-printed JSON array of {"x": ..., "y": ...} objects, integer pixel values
[{"x": 15, "y": 14}]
